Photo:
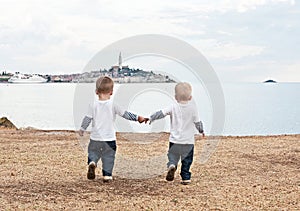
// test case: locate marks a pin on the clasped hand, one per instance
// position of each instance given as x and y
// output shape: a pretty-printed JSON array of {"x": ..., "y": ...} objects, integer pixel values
[{"x": 142, "y": 119}]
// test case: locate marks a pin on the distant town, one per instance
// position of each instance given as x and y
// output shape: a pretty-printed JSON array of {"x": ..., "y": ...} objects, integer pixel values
[{"x": 119, "y": 73}]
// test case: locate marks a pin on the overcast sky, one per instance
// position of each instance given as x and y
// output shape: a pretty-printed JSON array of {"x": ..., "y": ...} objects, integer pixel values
[{"x": 244, "y": 40}]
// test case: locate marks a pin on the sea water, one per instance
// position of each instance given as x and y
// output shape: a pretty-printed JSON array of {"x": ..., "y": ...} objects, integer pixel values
[{"x": 250, "y": 108}]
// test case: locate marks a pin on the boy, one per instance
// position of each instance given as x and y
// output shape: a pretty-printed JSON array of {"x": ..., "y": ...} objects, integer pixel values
[
  {"x": 184, "y": 117},
  {"x": 102, "y": 114}
]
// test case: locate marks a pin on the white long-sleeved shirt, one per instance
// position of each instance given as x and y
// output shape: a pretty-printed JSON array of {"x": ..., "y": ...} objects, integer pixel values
[
  {"x": 102, "y": 114},
  {"x": 184, "y": 122}
]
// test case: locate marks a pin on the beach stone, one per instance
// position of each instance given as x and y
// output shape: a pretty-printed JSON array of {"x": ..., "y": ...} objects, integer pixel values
[{"x": 6, "y": 123}]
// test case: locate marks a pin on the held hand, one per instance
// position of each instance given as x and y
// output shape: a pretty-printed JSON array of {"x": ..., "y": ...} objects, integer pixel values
[
  {"x": 81, "y": 132},
  {"x": 142, "y": 119}
]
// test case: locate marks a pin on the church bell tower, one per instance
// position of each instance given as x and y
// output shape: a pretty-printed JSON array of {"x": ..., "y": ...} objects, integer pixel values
[{"x": 120, "y": 61}]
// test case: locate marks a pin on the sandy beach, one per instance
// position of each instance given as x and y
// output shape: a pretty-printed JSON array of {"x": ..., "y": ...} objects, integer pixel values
[{"x": 46, "y": 170}]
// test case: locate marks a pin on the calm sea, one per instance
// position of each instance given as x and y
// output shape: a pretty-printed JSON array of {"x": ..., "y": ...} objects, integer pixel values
[{"x": 250, "y": 108}]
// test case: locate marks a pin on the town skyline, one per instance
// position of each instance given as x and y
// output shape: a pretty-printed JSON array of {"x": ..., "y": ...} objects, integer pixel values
[{"x": 119, "y": 73}]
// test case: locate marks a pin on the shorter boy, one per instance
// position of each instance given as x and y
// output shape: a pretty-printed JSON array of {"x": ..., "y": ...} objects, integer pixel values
[
  {"x": 102, "y": 113},
  {"x": 184, "y": 118}
]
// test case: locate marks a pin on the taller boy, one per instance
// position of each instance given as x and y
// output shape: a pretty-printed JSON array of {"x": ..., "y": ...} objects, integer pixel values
[
  {"x": 102, "y": 113},
  {"x": 184, "y": 119}
]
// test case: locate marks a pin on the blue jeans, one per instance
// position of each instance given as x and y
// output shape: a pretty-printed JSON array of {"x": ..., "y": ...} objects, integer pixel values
[
  {"x": 185, "y": 152},
  {"x": 104, "y": 150}
]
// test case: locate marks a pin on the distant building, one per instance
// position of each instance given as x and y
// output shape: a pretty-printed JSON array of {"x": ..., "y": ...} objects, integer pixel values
[
  {"x": 120, "y": 61},
  {"x": 118, "y": 69},
  {"x": 122, "y": 74}
]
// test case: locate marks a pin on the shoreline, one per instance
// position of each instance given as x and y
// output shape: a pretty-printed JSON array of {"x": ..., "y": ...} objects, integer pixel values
[{"x": 145, "y": 133}]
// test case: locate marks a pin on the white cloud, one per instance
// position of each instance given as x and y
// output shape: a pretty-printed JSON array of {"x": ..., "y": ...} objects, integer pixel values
[
  {"x": 62, "y": 35},
  {"x": 213, "y": 49},
  {"x": 222, "y": 6}
]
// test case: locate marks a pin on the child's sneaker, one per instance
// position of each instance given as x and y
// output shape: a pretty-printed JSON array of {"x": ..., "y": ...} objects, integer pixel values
[
  {"x": 107, "y": 178},
  {"x": 171, "y": 172},
  {"x": 186, "y": 182},
  {"x": 91, "y": 172}
]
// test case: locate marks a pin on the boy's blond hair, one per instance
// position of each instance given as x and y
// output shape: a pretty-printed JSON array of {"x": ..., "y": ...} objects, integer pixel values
[
  {"x": 183, "y": 91},
  {"x": 104, "y": 85}
]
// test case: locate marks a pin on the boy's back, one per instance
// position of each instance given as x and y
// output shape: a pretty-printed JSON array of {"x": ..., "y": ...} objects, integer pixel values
[
  {"x": 183, "y": 117},
  {"x": 103, "y": 114},
  {"x": 184, "y": 120}
]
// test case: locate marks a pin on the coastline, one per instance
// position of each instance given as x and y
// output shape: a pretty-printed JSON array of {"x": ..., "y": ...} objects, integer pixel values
[
  {"x": 197, "y": 136},
  {"x": 46, "y": 169}
]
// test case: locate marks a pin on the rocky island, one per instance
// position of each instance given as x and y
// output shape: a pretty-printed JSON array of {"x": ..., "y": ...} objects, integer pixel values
[{"x": 270, "y": 81}]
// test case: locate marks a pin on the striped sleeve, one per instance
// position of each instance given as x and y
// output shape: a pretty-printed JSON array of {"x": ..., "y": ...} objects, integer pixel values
[
  {"x": 157, "y": 115},
  {"x": 199, "y": 126},
  {"x": 125, "y": 114},
  {"x": 130, "y": 116},
  {"x": 85, "y": 122}
]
